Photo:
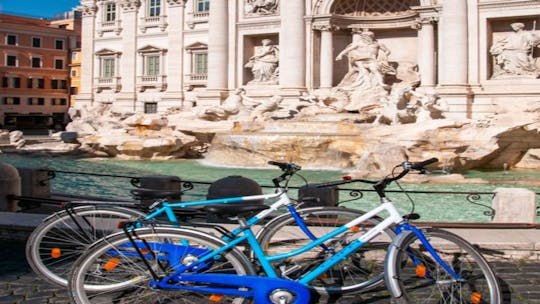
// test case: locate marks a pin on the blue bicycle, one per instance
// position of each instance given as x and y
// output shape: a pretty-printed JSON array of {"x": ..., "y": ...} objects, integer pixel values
[
  {"x": 160, "y": 264},
  {"x": 63, "y": 237}
]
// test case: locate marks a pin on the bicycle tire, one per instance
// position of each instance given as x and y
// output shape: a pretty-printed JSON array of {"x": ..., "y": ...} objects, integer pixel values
[
  {"x": 362, "y": 270},
  {"x": 92, "y": 281},
  {"x": 62, "y": 237},
  {"x": 424, "y": 281}
]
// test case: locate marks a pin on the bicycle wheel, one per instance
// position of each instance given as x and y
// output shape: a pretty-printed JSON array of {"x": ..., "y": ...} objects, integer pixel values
[
  {"x": 362, "y": 269},
  {"x": 413, "y": 276},
  {"x": 61, "y": 238},
  {"x": 112, "y": 272}
]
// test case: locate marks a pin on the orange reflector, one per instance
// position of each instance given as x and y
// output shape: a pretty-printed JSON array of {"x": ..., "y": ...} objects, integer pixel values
[
  {"x": 121, "y": 224},
  {"x": 421, "y": 271},
  {"x": 145, "y": 251},
  {"x": 323, "y": 276},
  {"x": 56, "y": 253},
  {"x": 346, "y": 177},
  {"x": 215, "y": 298},
  {"x": 111, "y": 264},
  {"x": 354, "y": 229},
  {"x": 476, "y": 297}
]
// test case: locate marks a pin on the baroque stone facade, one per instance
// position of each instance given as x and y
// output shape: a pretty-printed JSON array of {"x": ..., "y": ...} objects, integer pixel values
[{"x": 152, "y": 55}]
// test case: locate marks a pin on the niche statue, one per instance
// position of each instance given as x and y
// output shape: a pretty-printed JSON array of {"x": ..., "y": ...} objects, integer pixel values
[{"x": 264, "y": 64}]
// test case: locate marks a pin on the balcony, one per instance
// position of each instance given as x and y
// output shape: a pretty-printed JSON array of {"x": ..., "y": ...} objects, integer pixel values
[
  {"x": 151, "y": 81},
  {"x": 197, "y": 17},
  {"x": 195, "y": 80},
  {"x": 153, "y": 21},
  {"x": 110, "y": 83},
  {"x": 109, "y": 26}
]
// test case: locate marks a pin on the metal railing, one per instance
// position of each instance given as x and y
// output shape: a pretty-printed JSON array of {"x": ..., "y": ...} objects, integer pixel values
[{"x": 347, "y": 195}]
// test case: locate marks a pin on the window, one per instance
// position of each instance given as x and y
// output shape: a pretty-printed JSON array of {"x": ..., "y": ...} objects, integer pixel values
[
  {"x": 33, "y": 101},
  {"x": 16, "y": 82},
  {"x": 63, "y": 84},
  {"x": 58, "y": 64},
  {"x": 59, "y": 44},
  {"x": 202, "y": 6},
  {"x": 107, "y": 67},
  {"x": 11, "y": 39},
  {"x": 5, "y": 81},
  {"x": 73, "y": 91},
  {"x": 54, "y": 84},
  {"x": 59, "y": 101},
  {"x": 29, "y": 83},
  {"x": 152, "y": 65},
  {"x": 12, "y": 100},
  {"x": 41, "y": 83},
  {"x": 150, "y": 107},
  {"x": 36, "y": 62},
  {"x": 154, "y": 8},
  {"x": 11, "y": 60},
  {"x": 36, "y": 42},
  {"x": 200, "y": 63},
  {"x": 75, "y": 56},
  {"x": 73, "y": 73},
  {"x": 110, "y": 12}
]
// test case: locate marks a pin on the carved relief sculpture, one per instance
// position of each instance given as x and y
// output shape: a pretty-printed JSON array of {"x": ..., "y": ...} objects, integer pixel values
[
  {"x": 89, "y": 9},
  {"x": 130, "y": 5},
  {"x": 261, "y": 7},
  {"x": 513, "y": 54},
  {"x": 264, "y": 64}
]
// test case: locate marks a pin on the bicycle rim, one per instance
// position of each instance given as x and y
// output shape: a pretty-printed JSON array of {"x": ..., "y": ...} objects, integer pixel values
[
  {"x": 57, "y": 243},
  {"x": 421, "y": 280},
  {"x": 111, "y": 273}
]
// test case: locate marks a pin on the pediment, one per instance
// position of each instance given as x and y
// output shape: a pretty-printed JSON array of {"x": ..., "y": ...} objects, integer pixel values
[
  {"x": 197, "y": 46},
  {"x": 150, "y": 49},
  {"x": 105, "y": 51}
]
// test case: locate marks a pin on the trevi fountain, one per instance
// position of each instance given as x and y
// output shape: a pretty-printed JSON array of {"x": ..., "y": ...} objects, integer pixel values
[{"x": 376, "y": 116}]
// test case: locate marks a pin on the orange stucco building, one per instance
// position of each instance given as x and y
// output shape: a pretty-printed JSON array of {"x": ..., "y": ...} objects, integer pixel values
[{"x": 35, "y": 63}]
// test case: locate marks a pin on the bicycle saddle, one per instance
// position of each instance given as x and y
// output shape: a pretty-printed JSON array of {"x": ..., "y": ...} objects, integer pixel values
[{"x": 232, "y": 210}]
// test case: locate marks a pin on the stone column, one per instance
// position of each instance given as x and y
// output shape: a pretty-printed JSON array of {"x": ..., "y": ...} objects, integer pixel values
[
  {"x": 218, "y": 45},
  {"x": 327, "y": 54},
  {"x": 454, "y": 39},
  {"x": 126, "y": 99},
  {"x": 426, "y": 51},
  {"x": 88, "y": 26},
  {"x": 173, "y": 67},
  {"x": 292, "y": 44}
]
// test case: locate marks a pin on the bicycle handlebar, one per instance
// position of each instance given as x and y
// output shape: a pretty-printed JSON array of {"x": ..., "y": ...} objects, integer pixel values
[
  {"x": 288, "y": 170},
  {"x": 419, "y": 165}
]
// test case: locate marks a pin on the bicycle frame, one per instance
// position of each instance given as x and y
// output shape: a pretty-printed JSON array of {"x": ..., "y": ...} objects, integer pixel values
[{"x": 244, "y": 233}]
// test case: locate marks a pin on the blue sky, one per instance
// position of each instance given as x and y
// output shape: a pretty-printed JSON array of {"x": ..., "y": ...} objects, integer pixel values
[{"x": 36, "y": 8}]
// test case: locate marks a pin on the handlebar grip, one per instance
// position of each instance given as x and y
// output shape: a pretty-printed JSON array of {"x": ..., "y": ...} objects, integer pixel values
[
  {"x": 422, "y": 164},
  {"x": 285, "y": 166},
  {"x": 275, "y": 163}
]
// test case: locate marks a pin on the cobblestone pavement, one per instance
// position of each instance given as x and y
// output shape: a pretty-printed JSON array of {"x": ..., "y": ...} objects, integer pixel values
[{"x": 18, "y": 285}]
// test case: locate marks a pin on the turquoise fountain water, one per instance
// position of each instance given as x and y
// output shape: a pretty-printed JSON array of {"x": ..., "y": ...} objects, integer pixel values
[{"x": 432, "y": 207}]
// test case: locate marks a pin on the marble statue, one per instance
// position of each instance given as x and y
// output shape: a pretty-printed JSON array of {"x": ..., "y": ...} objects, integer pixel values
[
  {"x": 406, "y": 105},
  {"x": 261, "y": 7},
  {"x": 264, "y": 64},
  {"x": 432, "y": 107},
  {"x": 261, "y": 109},
  {"x": 513, "y": 54},
  {"x": 233, "y": 105},
  {"x": 368, "y": 64}
]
